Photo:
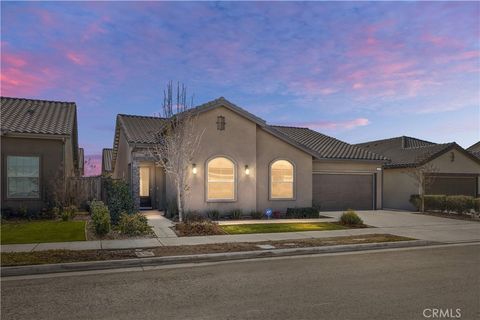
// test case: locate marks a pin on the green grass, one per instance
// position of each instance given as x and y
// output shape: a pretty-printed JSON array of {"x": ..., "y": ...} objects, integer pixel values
[
  {"x": 42, "y": 231},
  {"x": 280, "y": 227}
]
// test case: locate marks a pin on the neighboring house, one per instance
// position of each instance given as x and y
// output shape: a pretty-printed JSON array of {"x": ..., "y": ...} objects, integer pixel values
[
  {"x": 456, "y": 170},
  {"x": 475, "y": 149},
  {"x": 81, "y": 162},
  {"x": 39, "y": 144},
  {"x": 244, "y": 163},
  {"x": 107, "y": 161}
]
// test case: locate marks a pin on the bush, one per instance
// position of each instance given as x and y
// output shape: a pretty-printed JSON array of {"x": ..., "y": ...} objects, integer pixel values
[
  {"x": 100, "y": 217},
  {"x": 213, "y": 214},
  {"x": 350, "y": 218},
  {"x": 460, "y": 204},
  {"x": 236, "y": 214},
  {"x": 301, "y": 213},
  {"x": 134, "y": 224},
  {"x": 203, "y": 228},
  {"x": 256, "y": 214},
  {"x": 68, "y": 213},
  {"x": 476, "y": 203},
  {"x": 193, "y": 216},
  {"x": 172, "y": 208},
  {"x": 435, "y": 202},
  {"x": 415, "y": 201},
  {"x": 119, "y": 199}
]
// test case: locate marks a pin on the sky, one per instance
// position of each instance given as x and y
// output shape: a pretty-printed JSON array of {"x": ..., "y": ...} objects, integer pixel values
[{"x": 357, "y": 71}]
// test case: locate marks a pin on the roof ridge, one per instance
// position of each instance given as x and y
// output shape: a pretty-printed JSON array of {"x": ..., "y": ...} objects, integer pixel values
[
  {"x": 30, "y": 99},
  {"x": 139, "y": 116},
  {"x": 276, "y": 125}
]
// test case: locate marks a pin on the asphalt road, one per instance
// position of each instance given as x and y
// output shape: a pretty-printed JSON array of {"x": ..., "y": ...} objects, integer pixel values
[{"x": 380, "y": 285}]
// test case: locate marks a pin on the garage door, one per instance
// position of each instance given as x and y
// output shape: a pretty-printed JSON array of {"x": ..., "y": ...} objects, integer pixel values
[
  {"x": 453, "y": 184},
  {"x": 343, "y": 191}
]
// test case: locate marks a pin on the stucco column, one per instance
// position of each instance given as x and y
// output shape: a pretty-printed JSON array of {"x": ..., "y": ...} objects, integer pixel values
[{"x": 136, "y": 183}]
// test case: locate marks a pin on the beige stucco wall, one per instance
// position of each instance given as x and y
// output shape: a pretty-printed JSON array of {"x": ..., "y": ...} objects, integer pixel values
[
  {"x": 69, "y": 165},
  {"x": 237, "y": 142},
  {"x": 124, "y": 155},
  {"x": 270, "y": 148},
  {"x": 344, "y": 166},
  {"x": 398, "y": 185}
]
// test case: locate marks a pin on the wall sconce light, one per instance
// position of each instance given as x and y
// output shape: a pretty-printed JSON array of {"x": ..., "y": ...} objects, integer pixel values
[
  {"x": 194, "y": 168},
  {"x": 247, "y": 170}
]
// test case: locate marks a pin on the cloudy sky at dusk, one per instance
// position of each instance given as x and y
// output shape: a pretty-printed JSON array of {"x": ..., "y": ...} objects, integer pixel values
[{"x": 357, "y": 71}]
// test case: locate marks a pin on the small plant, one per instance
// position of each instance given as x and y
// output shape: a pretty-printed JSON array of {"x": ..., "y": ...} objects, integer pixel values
[
  {"x": 203, "y": 228},
  {"x": 23, "y": 212},
  {"x": 100, "y": 217},
  {"x": 213, "y": 214},
  {"x": 301, "y": 213},
  {"x": 119, "y": 198},
  {"x": 350, "y": 218},
  {"x": 193, "y": 216},
  {"x": 257, "y": 215},
  {"x": 236, "y": 214},
  {"x": 134, "y": 224},
  {"x": 68, "y": 213},
  {"x": 277, "y": 214},
  {"x": 459, "y": 204}
]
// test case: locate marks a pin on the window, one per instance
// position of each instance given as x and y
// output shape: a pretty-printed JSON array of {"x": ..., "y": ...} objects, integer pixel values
[
  {"x": 221, "y": 179},
  {"x": 281, "y": 180},
  {"x": 221, "y": 123},
  {"x": 23, "y": 177}
]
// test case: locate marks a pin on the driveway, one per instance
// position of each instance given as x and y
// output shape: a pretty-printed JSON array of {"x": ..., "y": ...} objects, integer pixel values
[{"x": 418, "y": 226}]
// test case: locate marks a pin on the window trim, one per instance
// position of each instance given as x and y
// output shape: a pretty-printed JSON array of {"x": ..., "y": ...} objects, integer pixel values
[
  {"x": 294, "y": 184},
  {"x": 235, "y": 179},
  {"x": 40, "y": 178}
]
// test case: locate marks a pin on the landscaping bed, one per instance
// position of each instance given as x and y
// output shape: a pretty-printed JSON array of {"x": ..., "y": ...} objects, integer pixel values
[
  {"x": 16, "y": 232},
  {"x": 64, "y": 256},
  {"x": 280, "y": 227}
]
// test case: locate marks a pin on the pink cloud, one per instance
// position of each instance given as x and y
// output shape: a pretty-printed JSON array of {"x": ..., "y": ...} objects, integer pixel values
[
  {"x": 336, "y": 125},
  {"x": 77, "y": 58}
]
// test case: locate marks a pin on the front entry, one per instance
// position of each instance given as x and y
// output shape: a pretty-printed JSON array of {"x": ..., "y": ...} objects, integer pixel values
[{"x": 145, "y": 196}]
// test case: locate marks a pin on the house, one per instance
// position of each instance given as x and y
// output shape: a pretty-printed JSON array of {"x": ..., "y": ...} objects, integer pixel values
[
  {"x": 81, "y": 162},
  {"x": 475, "y": 149},
  {"x": 455, "y": 170},
  {"x": 107, "y": 161},
  {"x": 245, "y": 163},
  {"x": 39, "y": 147}
]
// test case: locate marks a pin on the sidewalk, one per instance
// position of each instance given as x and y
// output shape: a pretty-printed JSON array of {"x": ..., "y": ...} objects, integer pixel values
[{"x": 384, "y": 222}]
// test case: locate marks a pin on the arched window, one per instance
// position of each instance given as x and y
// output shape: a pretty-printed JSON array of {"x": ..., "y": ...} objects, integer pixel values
[
  {"x": 220, "y": 179},
  {"x": 281, "y": 179}
]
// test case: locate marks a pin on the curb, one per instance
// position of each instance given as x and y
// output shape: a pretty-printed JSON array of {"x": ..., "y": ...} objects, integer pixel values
[{"x": 199, "y": 258}]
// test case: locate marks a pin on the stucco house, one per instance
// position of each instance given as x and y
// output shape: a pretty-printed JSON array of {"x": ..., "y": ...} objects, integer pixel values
[
  {"x": 107, "y": 161},
  {"x": 245, "y": 163},
  {"x": 455, "y": 170},
  {"x": 39, "y": 146}
]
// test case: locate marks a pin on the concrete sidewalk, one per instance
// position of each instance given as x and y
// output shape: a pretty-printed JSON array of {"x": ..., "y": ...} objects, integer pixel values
[{"x": 399, "y": 223}]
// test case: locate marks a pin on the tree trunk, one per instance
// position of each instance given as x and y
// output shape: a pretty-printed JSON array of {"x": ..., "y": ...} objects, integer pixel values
[{"x": 179, "y": 202}]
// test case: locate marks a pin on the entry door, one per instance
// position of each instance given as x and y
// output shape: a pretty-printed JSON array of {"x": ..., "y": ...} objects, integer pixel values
[{"x": 145, "y": 196}]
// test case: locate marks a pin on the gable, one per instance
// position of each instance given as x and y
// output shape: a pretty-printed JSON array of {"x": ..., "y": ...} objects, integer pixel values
[{"x": 462, "y": 162}]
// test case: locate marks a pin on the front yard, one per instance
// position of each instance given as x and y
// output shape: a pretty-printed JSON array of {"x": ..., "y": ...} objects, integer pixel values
[
  {"x": 280, "y": 227},
  {"x": 42, "y": 231}
]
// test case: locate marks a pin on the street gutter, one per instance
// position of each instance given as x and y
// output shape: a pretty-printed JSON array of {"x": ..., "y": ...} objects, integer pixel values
[{"x": 201, "y": 258}]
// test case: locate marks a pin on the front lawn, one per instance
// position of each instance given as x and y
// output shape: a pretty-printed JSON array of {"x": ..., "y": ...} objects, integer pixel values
[
  {"x": 280, "y": 227},
  {"x": 42, "y": 231}
]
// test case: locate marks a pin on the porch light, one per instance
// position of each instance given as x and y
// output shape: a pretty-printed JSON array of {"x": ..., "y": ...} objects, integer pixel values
[
  {"x": 194, "y": 168},
  {"x": 247, "y": 170}
]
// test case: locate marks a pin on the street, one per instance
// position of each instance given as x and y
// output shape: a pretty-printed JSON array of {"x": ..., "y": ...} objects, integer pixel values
[{"x": 397, "y": 284}]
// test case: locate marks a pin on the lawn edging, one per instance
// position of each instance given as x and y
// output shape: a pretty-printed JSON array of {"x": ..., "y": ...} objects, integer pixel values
[{"x": 201, "y": 258}]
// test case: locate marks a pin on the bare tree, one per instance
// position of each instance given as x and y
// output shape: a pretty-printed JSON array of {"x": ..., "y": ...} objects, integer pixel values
[
  {"x": 177, "y": 140},
  {"x": 424, "y": 177}
]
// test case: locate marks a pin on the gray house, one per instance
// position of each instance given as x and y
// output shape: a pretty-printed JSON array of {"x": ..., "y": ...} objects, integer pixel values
[
  {"x": 245, "y": 163},
  {"x": 39, "y": 148},
  {"x": 456, "y": 170}
]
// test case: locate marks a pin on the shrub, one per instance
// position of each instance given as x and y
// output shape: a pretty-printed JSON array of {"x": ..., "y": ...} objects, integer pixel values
[
  {"x": 256, "y": 214},
  {"x": 476, "y": 203},
  {"x": 119, "y": 199},
  {"x": 459, "y": 204},
  {"x": 68, "y": 213},
  {"x": 23, "y": 212},
  {"x": 300, "y": 213},
  {"x": 203, "y": 228},
  {"x": 213, "y": 214},
  {"x": 134, "y": 224},
  {"x": 193, "y": 216},
  {"x": 236, "y": 214},
  {"x": 172, "y": 208},
  {"x": 435, "y": 202},
  {"x": 350, "y": 218},
  {"x": 100, "y": 217},
  {"x": 415, "y": 201}
]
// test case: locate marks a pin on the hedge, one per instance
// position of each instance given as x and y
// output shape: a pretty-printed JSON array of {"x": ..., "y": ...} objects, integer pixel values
[
  {"x": 458, "y": 204},
  {"x": 100, "y": 217},
  {"x": 299, "y": 213}
]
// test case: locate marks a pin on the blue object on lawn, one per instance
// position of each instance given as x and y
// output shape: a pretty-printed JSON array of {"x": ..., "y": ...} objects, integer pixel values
[{"x": 268, "y": 213}]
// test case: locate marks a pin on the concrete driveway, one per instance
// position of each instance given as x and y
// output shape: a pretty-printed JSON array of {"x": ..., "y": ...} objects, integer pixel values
[{"x": 418, "y": 226}]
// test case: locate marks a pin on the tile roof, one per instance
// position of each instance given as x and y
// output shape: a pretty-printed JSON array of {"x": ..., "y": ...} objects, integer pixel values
[
  {"x": 407, "y": 151},
  {"x": 37, "y": 116},
  {"x": 140, "y": 129},
  {"x": 107, "y": 160},
  {"x": 474, "y": 147},
  {"x": 327, "y": 147}
]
